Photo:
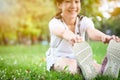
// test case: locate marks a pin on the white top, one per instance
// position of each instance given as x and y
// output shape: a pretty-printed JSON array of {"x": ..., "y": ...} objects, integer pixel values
[{"x": 60, "y": 47}]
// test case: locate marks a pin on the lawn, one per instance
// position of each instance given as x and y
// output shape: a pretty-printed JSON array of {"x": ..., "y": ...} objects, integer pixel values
[{"x": 22, "y": 62}]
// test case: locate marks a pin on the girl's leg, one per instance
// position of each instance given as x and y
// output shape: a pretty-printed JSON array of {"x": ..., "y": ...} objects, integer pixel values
[
  {"x": 66, "y": 64},
  {"x": 97, "y": 66},
  {"x": 113, "y": 59},
  {"x": 83, "y": 54}
]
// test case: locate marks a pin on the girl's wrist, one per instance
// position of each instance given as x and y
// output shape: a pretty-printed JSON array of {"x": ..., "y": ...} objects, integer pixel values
[{"x": 104, "y": 38}]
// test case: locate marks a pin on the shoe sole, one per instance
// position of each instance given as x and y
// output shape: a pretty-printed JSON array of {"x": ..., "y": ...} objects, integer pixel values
[
  {"x": 83, "y": 54},
  {"x": 113, "y": 56}
]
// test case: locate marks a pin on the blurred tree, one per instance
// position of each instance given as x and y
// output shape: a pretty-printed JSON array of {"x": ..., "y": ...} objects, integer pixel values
[
  {"x": 26, "y": 19},
  {"x": 113, "y": 23},
  {"x": 27, "y": 23},
  {"x": 116, "y": 11},
  {"x": 8, "y": 20},
  {"x": 90, "y": 9}
]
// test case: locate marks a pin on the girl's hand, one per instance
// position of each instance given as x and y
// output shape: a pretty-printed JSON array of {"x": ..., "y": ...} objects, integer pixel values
[
  {"x": 107, "y": 38},
  {"x": 71, "y": 37},
  {"x": 116, "y": 38}
]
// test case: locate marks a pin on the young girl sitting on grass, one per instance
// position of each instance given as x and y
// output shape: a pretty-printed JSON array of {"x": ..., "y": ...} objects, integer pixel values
[{"x": 68, "y": 50}]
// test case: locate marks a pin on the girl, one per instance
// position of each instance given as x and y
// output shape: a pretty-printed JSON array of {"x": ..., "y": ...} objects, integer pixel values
[{"x": 66, "y": 29}]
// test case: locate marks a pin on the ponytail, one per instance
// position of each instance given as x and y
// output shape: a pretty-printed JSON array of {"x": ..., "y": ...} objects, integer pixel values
[{"x": 58, "y": 14}]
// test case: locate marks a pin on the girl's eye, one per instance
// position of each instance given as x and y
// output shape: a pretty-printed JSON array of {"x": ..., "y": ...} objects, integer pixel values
[
  {"x": 77, "y": 1},
  {"x": 68, "y": 1}
]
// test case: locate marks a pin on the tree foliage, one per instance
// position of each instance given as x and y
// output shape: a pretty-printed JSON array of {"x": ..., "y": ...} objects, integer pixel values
[
  {"x": 90, "y": 9},
  {"x": 28, "y": 18},
  {"x": 114, "y": 24}
]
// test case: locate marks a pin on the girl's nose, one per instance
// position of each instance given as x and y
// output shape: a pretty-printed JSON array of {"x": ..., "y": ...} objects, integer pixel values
[{"x": 73, "y": 4}]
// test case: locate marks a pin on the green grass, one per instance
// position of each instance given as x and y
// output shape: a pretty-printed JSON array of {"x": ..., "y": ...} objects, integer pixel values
[
  {"x": 99, "y": 51},
  {"x": 28, "y": 63}
]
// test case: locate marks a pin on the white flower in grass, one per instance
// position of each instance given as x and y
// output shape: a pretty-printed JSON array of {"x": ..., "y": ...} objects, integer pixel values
[
  {"x": 4, "y": 75},
  {"x": 1, "y": 59},
  {"x": 14, "y": 79},
  {"x": 3, "y": 71},
  {"x": 28, "y": 71},
  {"x": 39, "y": 76},
  {"x": 44, "y": 69},
  {"x": 12, "y": 76},
  {"x": 40, "y": 64},
  {"x": 18, "y": 73},
  {"x": 20, "y": 70},
  {"x": 15, "y": 62}
]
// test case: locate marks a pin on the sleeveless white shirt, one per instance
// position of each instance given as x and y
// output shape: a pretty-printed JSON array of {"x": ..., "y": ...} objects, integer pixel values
[{"x": 60, "y": 47}]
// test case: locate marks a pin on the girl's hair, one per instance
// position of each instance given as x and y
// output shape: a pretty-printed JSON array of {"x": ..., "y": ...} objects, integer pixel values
[
  {"x": 58, "y": 1},
  {"x": 58, "y": 14}
]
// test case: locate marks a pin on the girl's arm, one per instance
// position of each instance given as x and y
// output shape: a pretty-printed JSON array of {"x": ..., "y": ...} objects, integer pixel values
[
  {"x": 97, "y": 35},
  {"x": 67, "y": 35}
]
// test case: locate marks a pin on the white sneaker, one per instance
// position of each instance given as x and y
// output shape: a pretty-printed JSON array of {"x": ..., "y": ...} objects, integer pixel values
[
  {"x": 113, "y": 62},
  {"x": 83, "y": 54}
]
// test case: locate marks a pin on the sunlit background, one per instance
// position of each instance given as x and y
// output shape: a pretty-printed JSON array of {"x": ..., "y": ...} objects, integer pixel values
[
  {"x": 108, "y": 7},
  {"x": 26, "y": 21},
  {"x": 24, "y": 36}
]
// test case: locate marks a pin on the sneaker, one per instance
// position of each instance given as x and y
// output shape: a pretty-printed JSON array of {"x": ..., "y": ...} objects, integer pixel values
[
  {"x": 83, "y": 55},
  {"x": 113, "y": 59}
]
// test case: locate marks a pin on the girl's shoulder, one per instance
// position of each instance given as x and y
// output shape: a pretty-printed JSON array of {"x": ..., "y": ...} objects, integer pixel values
[
  {"x": 54, "y": 20},
  {"x": 87, "y": 22},
  {"x": 84, "y": 19}
]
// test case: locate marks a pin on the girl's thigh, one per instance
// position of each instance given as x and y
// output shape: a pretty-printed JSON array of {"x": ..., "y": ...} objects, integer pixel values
[{"x": 66, "y": 64}]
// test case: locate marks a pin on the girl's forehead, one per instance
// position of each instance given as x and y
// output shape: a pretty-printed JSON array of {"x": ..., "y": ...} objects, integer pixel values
[{"x": 71, "y": 0}]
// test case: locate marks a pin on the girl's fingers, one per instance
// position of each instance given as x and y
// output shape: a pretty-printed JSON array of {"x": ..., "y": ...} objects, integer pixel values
[
  {"x": 116, "y": 38},
  {"x": 72, "y": 41},
  {"x": 106, "y": 38},
  {"x": 75, "y": 39},
  {"x": 79, "y": 39}
]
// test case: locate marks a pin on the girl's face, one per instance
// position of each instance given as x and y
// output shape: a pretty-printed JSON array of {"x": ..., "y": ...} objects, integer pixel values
[{"x": 70, "y": 8}]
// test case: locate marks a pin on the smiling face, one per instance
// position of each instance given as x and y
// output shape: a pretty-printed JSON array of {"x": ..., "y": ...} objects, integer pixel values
[{"x": 70, "y": 8}]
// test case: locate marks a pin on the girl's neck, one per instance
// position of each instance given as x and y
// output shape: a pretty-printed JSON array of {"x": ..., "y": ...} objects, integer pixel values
[{"x": 69, "y": 21}]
